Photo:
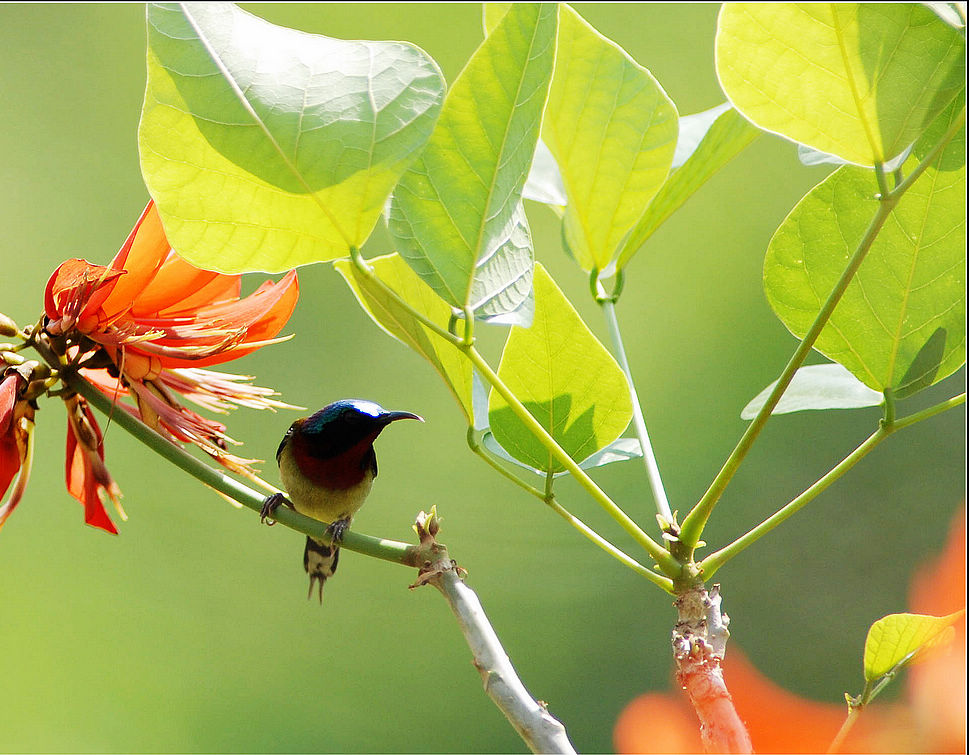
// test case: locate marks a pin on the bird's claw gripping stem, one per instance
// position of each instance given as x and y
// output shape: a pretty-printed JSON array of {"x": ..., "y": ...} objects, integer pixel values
[
  {"x": 270, "y": 505},
  {"x": 338, "y": 529}
]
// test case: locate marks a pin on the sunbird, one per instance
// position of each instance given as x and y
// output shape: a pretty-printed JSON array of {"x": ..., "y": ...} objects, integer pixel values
[{"x": 327, "y": 465}]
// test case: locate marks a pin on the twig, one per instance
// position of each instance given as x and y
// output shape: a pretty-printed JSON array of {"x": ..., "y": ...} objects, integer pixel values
[{"x": 530, "y": 718}]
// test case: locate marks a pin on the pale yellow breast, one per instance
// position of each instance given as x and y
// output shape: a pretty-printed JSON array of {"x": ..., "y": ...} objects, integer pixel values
[{"x": 319, "y": 503}]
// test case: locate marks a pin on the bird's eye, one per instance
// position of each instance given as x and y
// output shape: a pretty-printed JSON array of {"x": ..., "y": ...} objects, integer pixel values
[{"x": 350, "y": 416}]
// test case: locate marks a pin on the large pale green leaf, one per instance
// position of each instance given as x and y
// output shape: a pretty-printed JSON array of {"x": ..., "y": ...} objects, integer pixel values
[
  {"x": 707, "y": 141},
  {"x": 818, "y": 386},
  {"x": 897, "y": 639},
  {"x": 860, "y": 81},
  {"x": 395, "y": 319},
  {"x": 266, "y": 148},
  {"x": 901, "y": 322},
  {"x": 565, "y": 378},
  {"x": 612, "y": 130},
  {"x": 544, "y": 183},
  {"x": 456, "y": 215}
]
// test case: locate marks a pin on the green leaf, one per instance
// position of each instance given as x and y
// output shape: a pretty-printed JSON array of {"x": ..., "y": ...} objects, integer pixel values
[
  {"x": 393, "y": 317},
  {"x": 819, "y": 386},
  {"x": 565, "y": 378},
  {"x": 266, "y": 148},
  {"x": 895, "y": 640},
  {"x": 860, "y": 81},
  {"x": 456, "y": 215},
  {"x": 707, "y": 141},
  {"x": 612, "y": 131},
  {"x": 491, "y": 15},
  {"x": 910, "y": 288}
]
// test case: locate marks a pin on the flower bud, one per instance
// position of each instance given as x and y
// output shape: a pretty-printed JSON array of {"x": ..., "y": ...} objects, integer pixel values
[{"x": 7, "y": 326}]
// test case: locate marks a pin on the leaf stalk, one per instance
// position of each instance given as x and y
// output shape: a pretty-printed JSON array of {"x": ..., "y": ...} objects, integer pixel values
[
  {"x": 714, "y": 561},
  {"x": 639, "y": 423}
]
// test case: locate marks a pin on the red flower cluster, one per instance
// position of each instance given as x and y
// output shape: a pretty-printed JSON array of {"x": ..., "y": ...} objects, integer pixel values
[
  {"x": 144, "y": 328},
  {"x": 16, "y": 429}
]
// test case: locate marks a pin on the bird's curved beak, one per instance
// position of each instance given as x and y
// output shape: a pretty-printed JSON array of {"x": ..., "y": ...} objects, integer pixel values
[{"x": 387, "y": 417}]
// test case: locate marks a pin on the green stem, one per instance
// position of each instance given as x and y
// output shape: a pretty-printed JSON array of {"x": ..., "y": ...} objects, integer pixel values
[
  {"x": 389, "y": 550},
  {"x": 888, "y": 407},
  {"x": 881, "y": 179},
  {"x": 639, "y": 423},
  {"x": 494, "y": 464},
  {"x": 911, "y": 419},
  {"x": 714, "y": 561},
  {"x": 549, "y": 499},
  {"x": 667, "y": 563},
  {"x": 663, "y": 582},
  {"x": 696, "y": 520}
]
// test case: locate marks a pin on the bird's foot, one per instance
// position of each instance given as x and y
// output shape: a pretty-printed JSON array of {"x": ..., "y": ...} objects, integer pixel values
[
  {"x": 270, "y": 505},
  {"x": 338, "y": 529}
]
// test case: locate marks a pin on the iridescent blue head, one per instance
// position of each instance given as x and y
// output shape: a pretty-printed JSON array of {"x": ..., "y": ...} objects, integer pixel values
[{"x": 340, "y": 427}]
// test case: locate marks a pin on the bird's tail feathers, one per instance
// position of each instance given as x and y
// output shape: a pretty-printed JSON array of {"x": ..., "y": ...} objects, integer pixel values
[{"x": 320, "y": 561}]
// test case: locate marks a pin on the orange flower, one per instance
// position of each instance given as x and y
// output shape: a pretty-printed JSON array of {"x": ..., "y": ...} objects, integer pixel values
[
  {"x": 143, "y": 328},
  {"x": 931, "y": 719},
  {"x": 151, "y": 310}
]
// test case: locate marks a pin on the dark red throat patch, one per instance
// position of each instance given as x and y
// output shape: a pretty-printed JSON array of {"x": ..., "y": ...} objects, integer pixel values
[{"x": 339, "y": 472}]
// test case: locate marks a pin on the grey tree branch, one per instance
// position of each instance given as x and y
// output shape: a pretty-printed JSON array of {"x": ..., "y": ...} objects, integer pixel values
[{"x": 530, "y": 718}]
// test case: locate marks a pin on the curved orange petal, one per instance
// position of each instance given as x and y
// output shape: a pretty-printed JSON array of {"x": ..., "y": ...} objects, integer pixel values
[
  {"x": 8, "y": 399},
  {"x": 83, "y": 480},
  {"x": 181, "y": 287},
  {"x": 76, "y": 289},
  {"x": 264, "y": 312},
  {"x": 141, "y": 256},
  {"x": 261, "y": 315},
  {"x": 220, "y": 288}
]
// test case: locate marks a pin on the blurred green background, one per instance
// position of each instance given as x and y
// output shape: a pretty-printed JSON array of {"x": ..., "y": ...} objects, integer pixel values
[{"x": 191, "y": 631}]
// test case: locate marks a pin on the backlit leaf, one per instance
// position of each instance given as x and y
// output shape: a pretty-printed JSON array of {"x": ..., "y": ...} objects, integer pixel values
[
  {"x": 456, "y": 215},
  {"x": 565, "y": 378},
  {"x": 612, "y": 130},
  {"x": 818, "y": 386},
  {"x": 901, "y": 322},
  {"x": 858, "y": 80},
  {"x": 899, "y": 637},
  {"x": 266, "y": 148}
]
